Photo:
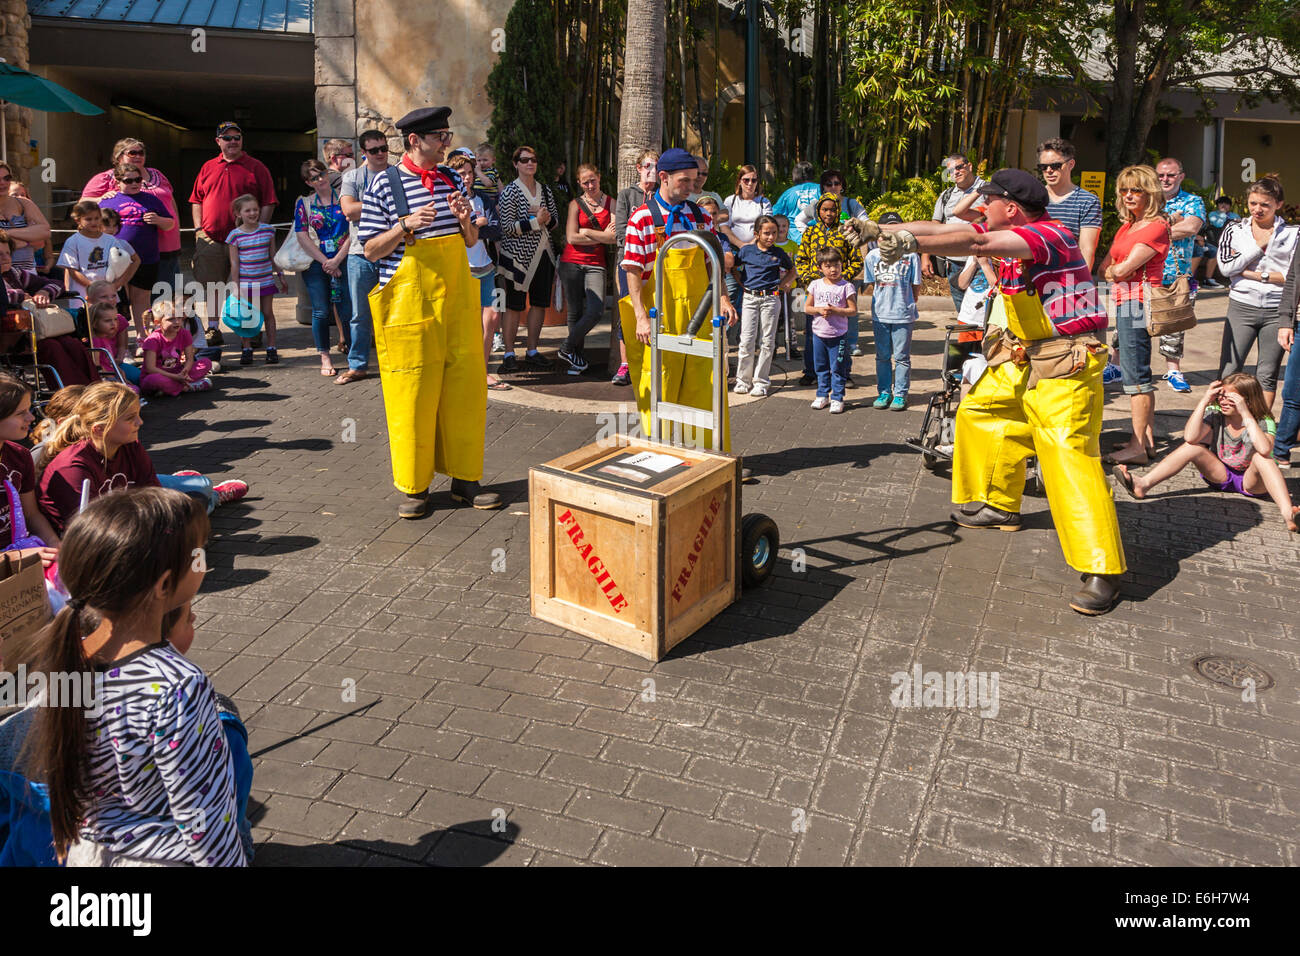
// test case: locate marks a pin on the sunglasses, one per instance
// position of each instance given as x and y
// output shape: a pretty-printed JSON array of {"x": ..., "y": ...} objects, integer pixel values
[
  {"x": 1167, "y": 175},
  {"x": 132, "y": 181},
  {"x": 443, "y": 134},
  {"x": 750, "y": 179},
  {"x": 377, "y": 150},
  {"x": 1130, "y": 191},
  {"x": 834, "y": 182},
  {"x": 135, "y": 152},
  {"x": 315, "y": 179},
  {"x": 230, "y": 139},
  {"x": 1054, "y": 167},
  {"x": 524, "y": 160}
]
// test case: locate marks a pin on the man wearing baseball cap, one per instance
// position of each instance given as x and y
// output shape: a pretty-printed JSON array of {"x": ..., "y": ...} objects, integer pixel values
[
  {"x": 687, "y": 380},
  {"x": 231, "y": 174},
  {"x": 417, "y": 224},
  {"x": 1042, "y": 393}
]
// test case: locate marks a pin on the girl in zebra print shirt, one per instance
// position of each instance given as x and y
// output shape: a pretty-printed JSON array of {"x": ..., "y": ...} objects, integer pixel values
[{"x": 144, "y": 778}]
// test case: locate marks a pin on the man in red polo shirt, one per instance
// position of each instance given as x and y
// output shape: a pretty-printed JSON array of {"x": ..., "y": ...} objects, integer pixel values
[{"x": 221, "y": 180}]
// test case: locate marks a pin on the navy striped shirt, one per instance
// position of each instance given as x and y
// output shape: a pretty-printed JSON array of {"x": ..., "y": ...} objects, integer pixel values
[
  {"x": 1078, "y": 211},
  {"x": 378, "y": 213}
]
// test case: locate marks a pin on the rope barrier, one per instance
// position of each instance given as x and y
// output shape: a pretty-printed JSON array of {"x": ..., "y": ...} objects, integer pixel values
[{"x": 273, "y": 225}]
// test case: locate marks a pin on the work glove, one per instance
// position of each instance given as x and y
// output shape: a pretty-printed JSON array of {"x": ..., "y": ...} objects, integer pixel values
[
  {"x": 895, "y": 245},
  {"x": 859, "y": 231}
]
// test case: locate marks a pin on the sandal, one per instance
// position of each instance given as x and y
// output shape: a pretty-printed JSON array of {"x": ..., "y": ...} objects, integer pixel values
[
  {"x": 1125, "y": 481},
  {"x": 329, "y": 372},
  {"x": 498, "y": 386}
]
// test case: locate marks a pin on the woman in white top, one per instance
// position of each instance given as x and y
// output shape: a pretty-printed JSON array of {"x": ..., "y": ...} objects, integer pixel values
[
  {"x": 744, "y": 207},
  {"x": 1255, "y": 254}
]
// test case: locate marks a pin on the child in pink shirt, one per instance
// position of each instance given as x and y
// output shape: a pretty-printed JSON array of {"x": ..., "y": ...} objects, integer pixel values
[
  {"x": 105, "y": 327},
  {"x": 169, "y": 363}
]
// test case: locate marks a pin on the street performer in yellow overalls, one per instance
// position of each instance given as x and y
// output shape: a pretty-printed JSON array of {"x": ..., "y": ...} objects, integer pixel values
[
  {"x": 1042, "y": 393},
  {"x": 687, "y": 380},
  {"x": 416, "y": 223}
]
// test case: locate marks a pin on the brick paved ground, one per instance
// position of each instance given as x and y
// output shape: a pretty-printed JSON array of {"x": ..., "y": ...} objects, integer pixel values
[{"x": 777, "y": 713}]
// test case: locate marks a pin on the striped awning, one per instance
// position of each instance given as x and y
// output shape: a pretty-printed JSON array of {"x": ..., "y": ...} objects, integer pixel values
[{"x": 274, "y": 16}]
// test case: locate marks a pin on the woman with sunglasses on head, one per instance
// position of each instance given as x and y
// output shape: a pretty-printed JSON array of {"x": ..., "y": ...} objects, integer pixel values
[
  {"x": 322, "y": 231},
  {"x": 1137, "y": 259},
  {"x": 103, "y": 185},
  {"x": 22, "y": 222},
  {"x": 144, "y": 219},
  {"x": 744, "y": 206}
]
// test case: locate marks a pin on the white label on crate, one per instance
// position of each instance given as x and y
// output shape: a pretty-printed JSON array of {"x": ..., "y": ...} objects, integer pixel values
[{"x": 653, "y": 461}]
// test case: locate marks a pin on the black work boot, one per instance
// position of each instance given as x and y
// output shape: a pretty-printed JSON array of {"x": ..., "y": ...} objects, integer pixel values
[
  {"x": 986, "y": 516},
  {"x": 415, "y": 506},
  {"x": 1098, "y": 594},
  {"x": 469, "y": 493}
]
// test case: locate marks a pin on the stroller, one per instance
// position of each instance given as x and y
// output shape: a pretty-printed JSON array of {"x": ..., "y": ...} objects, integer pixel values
[{"x": 938, "y": 427}]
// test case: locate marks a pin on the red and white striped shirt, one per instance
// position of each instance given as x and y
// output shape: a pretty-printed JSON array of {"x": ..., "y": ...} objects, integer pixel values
[
  {"x": 641, "y": 247},
  {"x": 1057, "y": 272}
]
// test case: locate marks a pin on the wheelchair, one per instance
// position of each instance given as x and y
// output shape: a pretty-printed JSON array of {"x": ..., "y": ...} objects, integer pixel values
[{"x": 938, "y": 427}]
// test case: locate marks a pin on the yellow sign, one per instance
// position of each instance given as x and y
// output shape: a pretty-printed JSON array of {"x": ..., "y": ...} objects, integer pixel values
[{"x": 1095, "y": 183}]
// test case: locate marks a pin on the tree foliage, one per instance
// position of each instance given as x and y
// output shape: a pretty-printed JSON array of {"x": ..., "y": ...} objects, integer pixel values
[{"x": 525, "y": 88}]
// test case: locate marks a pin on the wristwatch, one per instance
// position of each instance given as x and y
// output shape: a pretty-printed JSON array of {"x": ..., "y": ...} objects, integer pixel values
[{"x": 1263, "y": 276}]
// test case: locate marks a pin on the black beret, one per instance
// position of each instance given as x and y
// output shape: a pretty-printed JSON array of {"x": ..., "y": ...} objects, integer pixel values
[{"x": 427, "y": 120}]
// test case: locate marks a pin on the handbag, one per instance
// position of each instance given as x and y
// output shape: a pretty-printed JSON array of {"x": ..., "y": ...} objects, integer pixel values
[
  {"x": 292, "y": 257},
  {"x": 50, "y": 320},
  {"x": 242, "y": 318},
  {"x": 1169, "y": 307}
]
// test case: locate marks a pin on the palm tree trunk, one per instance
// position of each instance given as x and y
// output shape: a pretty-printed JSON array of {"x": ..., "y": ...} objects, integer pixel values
[{"x": 642, "y": 120}]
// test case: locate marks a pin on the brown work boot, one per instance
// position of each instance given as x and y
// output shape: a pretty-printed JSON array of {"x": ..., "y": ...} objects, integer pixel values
[
  {"x": 469, "y": 493},
  {"x": 1098, "y": 595},
  {"x": 986, "y": 517},
  {"x": 415, "y": 506}
]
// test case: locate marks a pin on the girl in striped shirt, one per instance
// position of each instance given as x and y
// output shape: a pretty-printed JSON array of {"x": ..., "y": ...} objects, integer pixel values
[
  {"x": 252, "y": 247},
  {"x": 141, "y": 776}
]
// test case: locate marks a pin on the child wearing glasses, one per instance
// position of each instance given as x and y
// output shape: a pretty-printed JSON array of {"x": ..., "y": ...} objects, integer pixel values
[{"x": 144, "y": 218}]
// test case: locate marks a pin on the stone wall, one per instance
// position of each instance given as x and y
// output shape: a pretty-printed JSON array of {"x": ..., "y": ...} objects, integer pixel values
[
  {"x": 378, "y": 59},
  {"x": 14, "y": 24}
]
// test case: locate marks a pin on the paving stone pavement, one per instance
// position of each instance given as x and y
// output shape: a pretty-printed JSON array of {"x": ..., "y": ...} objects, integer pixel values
[{"x": 401, "y": 700}]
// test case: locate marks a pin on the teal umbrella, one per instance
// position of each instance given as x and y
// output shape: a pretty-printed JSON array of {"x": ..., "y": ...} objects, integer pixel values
[{"x": 37, "y": 93}]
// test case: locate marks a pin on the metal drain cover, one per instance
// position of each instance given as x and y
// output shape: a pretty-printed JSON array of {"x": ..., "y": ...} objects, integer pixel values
[{"x": 1232, "y": 671}]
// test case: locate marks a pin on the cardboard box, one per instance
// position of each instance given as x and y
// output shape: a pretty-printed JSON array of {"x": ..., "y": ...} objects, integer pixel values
[
  {"x": 634, "y": 542},
  {"x": 24, "y": 605}
]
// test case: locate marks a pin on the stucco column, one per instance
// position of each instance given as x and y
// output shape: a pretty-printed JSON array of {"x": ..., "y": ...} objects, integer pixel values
[{"x": 14, "y": 24}]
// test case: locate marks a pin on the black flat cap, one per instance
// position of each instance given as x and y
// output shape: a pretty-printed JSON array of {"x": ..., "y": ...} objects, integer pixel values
[
  {"x": 1018, "y": 186},
  {"x": 427, "y": 120}
]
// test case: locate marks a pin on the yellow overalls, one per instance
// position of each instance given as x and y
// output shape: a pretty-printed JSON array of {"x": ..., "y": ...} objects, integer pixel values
[
  {"x": 1002, "y": 422},
  {"x": 429, "y": 339},
  {"x": 687, "y": 380}
]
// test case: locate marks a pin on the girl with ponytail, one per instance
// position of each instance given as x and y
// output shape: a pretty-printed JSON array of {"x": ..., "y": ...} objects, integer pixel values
[{"x": 145, "y": 777}]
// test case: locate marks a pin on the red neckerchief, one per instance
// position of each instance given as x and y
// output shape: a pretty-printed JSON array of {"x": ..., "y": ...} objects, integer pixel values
[{"x": 428, "y": 177}]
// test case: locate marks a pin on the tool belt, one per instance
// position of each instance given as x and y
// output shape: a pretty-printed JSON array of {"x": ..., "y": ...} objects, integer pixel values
[{"x": 1058, "y": 357}]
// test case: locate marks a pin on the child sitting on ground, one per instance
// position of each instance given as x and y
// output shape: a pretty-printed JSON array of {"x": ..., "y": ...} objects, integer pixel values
[
  {"x": 99, "y": 442},
  {"x": 169, "y": 363},
  {"x": 1229, "y": 438},
  {"x": 146, "y": 777},
  {"x": 832, "y": 299},
  {"x": 104, "y": 330}
]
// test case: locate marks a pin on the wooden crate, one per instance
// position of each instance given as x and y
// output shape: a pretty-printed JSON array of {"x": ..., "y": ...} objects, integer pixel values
[{"x": 641, "y": 565}]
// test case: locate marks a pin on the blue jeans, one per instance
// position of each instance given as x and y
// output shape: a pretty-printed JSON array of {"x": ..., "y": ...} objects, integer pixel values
[
  {"x": 363, "y": 275},
  {"x": 196, "y": 485},
  {"x": 893, "y": 345},
  {"x": 318, "y": 289},
  {"x": 131, "y": 373},
  {"x": 958, "y": 293},
  {"x": 237, "y": 744},
  {"x": 1134, "y": 347},
  {"x": 830, "y": 357},
  {"x": 1289, "y": 424}
]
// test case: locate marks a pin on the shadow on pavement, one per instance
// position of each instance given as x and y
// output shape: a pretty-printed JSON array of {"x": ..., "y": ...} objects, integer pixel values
[
  {"x": 472, "y": 843},
  {"x": 775, "y": 464}
]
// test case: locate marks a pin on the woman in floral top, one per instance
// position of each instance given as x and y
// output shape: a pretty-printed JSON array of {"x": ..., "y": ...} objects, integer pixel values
[{"x": 322, "y": 231}]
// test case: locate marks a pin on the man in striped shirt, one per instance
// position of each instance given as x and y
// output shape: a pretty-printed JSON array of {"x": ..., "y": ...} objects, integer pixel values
[
  {"x": 428, "y": 332},
  {"x": 1045, "y": 398}
]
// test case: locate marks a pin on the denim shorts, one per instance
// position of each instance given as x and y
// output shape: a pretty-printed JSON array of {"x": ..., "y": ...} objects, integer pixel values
[{"x": 1134, "y": 347}]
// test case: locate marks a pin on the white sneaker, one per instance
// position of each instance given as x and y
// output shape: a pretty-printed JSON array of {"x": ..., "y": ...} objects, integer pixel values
[
  {"x": 741, "y": 388},
  {"x": 837, "y": 407},
  {"x": 821, "y": 401},
  {"x": 758, "y": 391},
  {"x": 498, "y": 343}
]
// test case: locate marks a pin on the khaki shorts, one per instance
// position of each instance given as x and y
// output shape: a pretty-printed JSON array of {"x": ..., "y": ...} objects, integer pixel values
[{"x": 211, "y": 259}]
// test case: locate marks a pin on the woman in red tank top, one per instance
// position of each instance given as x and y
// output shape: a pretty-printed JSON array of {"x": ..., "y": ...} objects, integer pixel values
[{"x": 590, "y": 232}]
